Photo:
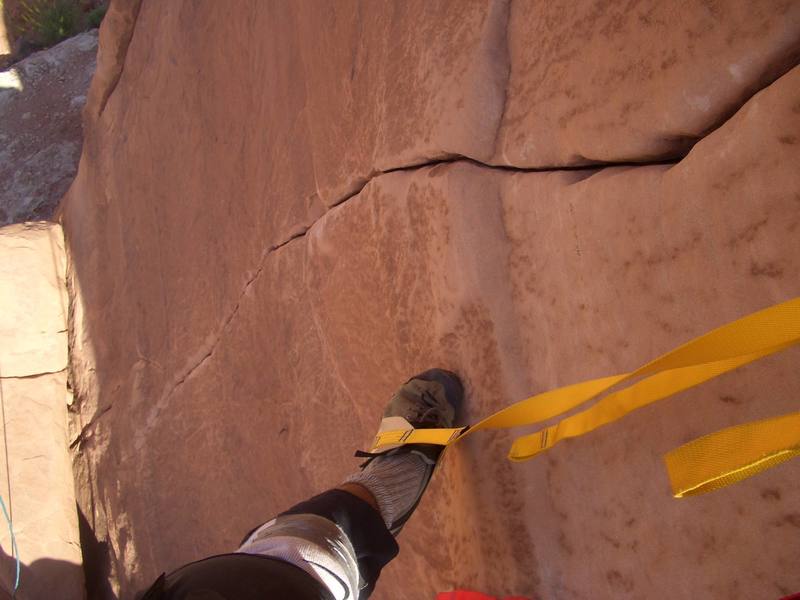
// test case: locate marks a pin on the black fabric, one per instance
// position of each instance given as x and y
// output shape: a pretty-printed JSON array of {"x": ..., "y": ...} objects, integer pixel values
[
  {"x": 237, "y": 577},
  {"x": 253, "y": 577},
  {"x": 373, "y": 544}
]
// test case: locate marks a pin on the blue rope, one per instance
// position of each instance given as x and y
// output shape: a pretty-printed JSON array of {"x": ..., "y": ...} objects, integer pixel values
[{"x": 14, "y": 550}]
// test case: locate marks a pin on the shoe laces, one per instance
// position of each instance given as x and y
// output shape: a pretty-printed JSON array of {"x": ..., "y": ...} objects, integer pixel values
[{"x": 431, "y": 413}]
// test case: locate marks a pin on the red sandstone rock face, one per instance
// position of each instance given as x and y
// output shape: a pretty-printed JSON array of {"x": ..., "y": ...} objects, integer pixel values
[
  {"x": 224, "y": 370},
  {"x": 605, "y": 82}
]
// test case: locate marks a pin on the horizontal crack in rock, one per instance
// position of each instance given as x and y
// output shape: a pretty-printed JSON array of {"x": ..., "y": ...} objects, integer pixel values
[
  {"x": 34, "y": 375},
  {"x": 458, "y": 158},
  {"x": 449, "y": 159}
]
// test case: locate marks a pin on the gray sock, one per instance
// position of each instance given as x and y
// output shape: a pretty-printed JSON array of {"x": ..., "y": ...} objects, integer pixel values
[{"x": 395, "y": 481}]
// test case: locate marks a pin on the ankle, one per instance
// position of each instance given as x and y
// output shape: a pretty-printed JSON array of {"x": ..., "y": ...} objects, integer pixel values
[
  {"x": 360, "y": 492},
  {"x": 395, "y": 482}
]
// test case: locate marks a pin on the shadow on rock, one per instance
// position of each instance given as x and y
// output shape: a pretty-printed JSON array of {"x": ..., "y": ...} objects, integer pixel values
[
  {"x": 43, "y": 578},
  {"x": 96, "y": 562}
]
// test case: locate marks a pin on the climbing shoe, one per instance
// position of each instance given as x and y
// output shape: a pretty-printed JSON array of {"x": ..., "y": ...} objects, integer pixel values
[{"x": 397, "y": 477}]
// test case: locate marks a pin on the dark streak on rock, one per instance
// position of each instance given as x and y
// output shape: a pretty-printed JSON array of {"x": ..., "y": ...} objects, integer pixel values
[
  {"x": 730, "y": 400},
  {"x": 769, "y": 269},
  {"x": 618, "y": 581},
  {"x": 792, "y": 519}
]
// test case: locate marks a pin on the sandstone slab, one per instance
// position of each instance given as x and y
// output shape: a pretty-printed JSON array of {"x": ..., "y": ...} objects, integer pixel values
[
  {"x": 39, "y": 490},
  {"x": 219, "y": 374},
  {"x": 36, "y": 472},
  {"x": 33, "y": 300}
]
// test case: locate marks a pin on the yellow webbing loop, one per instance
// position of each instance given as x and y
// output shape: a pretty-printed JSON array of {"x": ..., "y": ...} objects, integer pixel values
[
  {"x": 730, "y": 455},
  {"x": 719, "y": 351}
]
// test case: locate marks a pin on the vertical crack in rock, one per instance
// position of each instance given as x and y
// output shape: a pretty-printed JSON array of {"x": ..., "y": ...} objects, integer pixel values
[
  {"x": 205, "y": 354},
  {"x": 211, "y": 345},
  {"x": 86, "y": 429},
  {"x": 120, "y": 55},
  {"x": 506, "y": 46}
]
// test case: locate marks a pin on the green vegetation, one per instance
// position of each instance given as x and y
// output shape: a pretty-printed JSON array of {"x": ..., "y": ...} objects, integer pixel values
[
  {"x": 95, "y": 16},
  {"x": 47, "y": 22}
]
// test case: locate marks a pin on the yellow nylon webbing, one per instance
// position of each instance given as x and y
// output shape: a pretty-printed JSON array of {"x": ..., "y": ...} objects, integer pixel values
[
  {"x": 719, "y": 351},
  {"x": 730, "y": 455}
]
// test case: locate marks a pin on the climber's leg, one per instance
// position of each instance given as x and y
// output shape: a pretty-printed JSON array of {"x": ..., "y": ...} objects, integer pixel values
[
  {"x": 336, "y": 537},
  {"x": 334, "y": 545},
  {"x": 343, "y": 535}
]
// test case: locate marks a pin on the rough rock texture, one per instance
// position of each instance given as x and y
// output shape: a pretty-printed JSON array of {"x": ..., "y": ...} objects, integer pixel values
[
  {"x": 639, "y": 80},
  {"x": 237, "y": 295},
  {"x": 41, "y": 99},
  {"x": 36, "y": 474}
]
